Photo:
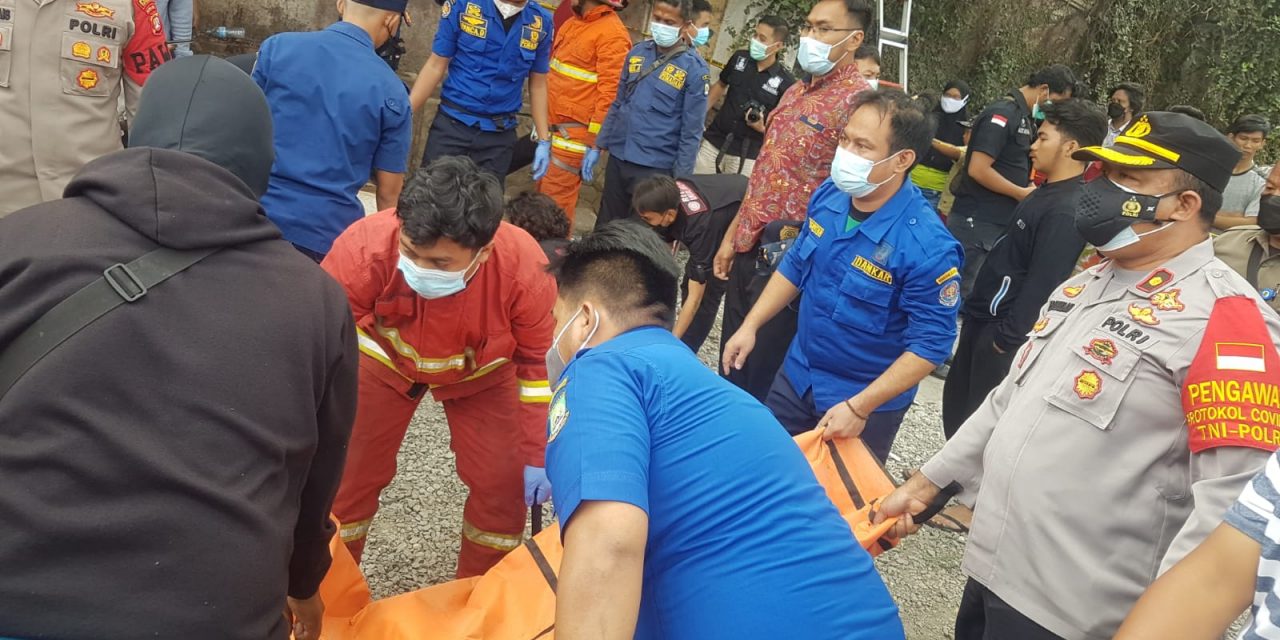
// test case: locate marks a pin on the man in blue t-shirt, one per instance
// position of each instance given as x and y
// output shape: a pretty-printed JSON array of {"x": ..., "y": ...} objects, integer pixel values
[
  {"x": 685, "y": 511},
  {"x": 340, "y": 115}
]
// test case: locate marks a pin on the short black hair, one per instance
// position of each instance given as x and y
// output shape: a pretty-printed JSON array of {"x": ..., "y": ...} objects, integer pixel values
[
  {"x": 685, "y": 7},
  {"x": 451, "y": 198},
  {"x": 1252, "y": 123},
  {"x": 1077, "y": 119},
  {"x": 626, "y": 268},
  {"x": 1187, "y": 110},
  {"x": 700, "y": 6},
  {"x": 1137, "y": 96},
  {"x": 656, "y": 193},
  {"x": 538, "y": 214},
  {"x": 780, "y": 28},
  {"x": 912, "y": 122},
  {"x": 867, "y": 52},
  {"x": 860, "y": 11},
  {"x": 1059, "y": 77},
  {"x": 1210, "y": 198}
]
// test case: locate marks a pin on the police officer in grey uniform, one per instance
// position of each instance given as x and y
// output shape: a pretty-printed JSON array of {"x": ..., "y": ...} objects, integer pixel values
[{"x": 1122, "y": 432}]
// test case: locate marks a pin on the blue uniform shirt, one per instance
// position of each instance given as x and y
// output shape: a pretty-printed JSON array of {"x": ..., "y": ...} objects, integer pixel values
[
  {"x": 658, "y": 122},
  {"x": 339, "y": 113},
  {"x": 488, "y": 65},
  {"x": 890, "y": 285},
  {"x": 743, "y": 542}
]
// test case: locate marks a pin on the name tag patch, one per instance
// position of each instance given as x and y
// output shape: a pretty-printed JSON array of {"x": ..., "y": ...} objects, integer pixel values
[
  {"x": 472, "y": 21},
  {"x": 815, "y": 228},
  {"x": 634, "y": 64},
  {"x": 673, "y": 76},
  {"x": 880, "y": 274}
]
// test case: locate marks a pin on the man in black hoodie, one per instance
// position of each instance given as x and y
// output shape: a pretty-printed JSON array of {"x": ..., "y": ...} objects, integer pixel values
[{"x": 168, "y": 470}]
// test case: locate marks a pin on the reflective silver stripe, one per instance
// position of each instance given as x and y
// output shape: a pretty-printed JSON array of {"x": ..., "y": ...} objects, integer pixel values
[{"x": 570, "y": 71}]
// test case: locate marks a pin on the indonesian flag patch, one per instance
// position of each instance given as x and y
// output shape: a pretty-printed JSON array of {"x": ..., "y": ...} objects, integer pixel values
[
  {"x": 1232, "y": 392},
  {"x": 999, "y": 120}
]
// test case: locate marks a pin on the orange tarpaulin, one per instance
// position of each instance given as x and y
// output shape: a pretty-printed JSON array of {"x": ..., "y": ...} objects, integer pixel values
[{"x": 516, "y": 599}]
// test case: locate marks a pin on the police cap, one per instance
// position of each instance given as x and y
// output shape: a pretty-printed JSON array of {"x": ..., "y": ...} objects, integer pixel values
[{"x": 1164, "y": 140}]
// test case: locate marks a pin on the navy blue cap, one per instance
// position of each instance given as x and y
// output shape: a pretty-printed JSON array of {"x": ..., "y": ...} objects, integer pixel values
[{"x": 398, "y": 6}]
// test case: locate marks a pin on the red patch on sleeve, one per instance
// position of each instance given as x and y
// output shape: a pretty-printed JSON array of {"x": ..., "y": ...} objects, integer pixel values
[
  {"x": 147, "y": 49},
  {"x": 1232, "y": 392}
]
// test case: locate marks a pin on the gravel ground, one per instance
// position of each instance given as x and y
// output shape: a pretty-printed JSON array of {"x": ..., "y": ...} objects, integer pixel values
[{"x": 414, "y": 541}]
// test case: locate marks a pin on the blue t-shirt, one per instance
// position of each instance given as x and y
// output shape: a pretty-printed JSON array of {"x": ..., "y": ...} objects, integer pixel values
[
  {"x": 1257, "y": 515},
  {"x": 872, "y": 291},
  {"x": 339, "y": 113},
  {"x": 743, "y": 542}
]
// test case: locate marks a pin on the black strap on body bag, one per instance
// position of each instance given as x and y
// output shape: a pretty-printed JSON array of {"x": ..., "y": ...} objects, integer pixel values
[
  {"x": 119, "y": 284},
  {"x": 634, "y": 81}
]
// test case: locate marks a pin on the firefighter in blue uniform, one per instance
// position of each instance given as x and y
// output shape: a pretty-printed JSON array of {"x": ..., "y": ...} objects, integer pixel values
[
  {"x": 483, "y": 52},
  {"x": 655, "y": 124}
]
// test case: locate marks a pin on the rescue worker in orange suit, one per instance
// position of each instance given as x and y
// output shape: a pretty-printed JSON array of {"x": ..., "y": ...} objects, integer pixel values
[
  {"x": 586, "y": 62},
  {"x": 449, "y": 299},
  {"x": 63, "y": 66}
]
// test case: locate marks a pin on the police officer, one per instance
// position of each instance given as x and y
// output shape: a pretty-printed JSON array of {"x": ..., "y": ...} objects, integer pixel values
[
  {"x": 881, "y": 281},
  {"x": 695, "y": 212},
  {"x": 751, "y": 85},
  {"x": 669, "y": 480},
  {"x": 1254, "y": 252},
  {"x": 655, "y": 123},
  {"x": 998, "y": 166},
  {"x": 341, "y": 115},
  {"x": 483, "y": 52},
  {"x": 63, "y": 65},
  {"x": 1139, "y": 408}
]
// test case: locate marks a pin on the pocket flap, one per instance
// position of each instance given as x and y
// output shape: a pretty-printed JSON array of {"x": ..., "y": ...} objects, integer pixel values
[{"x": 87, "y": 51}]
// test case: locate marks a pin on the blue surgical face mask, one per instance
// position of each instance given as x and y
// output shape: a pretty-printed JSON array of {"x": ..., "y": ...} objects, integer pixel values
[
  {"x": 434, "y": 283},
  {"x": 813, "y": 55},
  {"x": 758, "y": 50},
  {"x": 664, "y": 35},
  {"x": 556, "y": 362},
  {"x": 850, "y": 173},
  {"x": 703, "y": 37}
]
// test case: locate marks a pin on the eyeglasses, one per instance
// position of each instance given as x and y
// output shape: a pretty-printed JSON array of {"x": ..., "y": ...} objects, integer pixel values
[{"x": 821, "y": 32}]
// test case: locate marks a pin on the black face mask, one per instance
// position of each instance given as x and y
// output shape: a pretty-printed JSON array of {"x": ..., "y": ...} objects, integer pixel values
[
  {"x": 1269, "y": 214},
  {"x": 1104, "y": 209},
  {"x": 393, "y": 49},
  {"x": 1115, "y": 110}
]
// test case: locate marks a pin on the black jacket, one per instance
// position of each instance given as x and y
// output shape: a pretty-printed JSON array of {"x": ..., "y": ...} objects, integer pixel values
[
  {"x": 1038, "y": 252},
  {"x": 168, "y": 471}
]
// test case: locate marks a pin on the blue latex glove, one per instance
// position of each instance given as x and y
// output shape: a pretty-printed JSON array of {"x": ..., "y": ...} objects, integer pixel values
[
  {"x": 541, "y": 159},
  {"x": 589, "y": 164},
  {"x": 537, "y": 488}
]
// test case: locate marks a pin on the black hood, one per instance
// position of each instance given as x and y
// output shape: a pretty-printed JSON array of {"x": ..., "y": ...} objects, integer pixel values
[{"x": 207, "y": 107}]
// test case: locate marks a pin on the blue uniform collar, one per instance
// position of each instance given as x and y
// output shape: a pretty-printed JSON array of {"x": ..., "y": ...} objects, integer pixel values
[
  {"x": 631, "y": 337},
  {"x": 352, "y": 31},
  {"x": 887, "y": 216}
]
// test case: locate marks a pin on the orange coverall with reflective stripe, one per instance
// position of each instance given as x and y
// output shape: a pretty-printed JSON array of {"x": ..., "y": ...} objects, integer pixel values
[
  {"x": 586, "y": 61},
  {"x": 481, "y": 352}
]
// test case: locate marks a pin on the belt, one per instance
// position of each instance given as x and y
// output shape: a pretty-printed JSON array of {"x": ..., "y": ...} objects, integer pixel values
[{"x": 502, "y": 121}]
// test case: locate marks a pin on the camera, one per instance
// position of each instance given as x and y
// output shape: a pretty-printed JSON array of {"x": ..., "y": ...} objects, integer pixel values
[{"x": 756, "y": 111}]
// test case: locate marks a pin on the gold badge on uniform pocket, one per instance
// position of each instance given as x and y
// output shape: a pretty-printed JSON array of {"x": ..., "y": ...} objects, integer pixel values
[
  {"x": 81, "y": 50},
  {"x": 87, "y": 79}
]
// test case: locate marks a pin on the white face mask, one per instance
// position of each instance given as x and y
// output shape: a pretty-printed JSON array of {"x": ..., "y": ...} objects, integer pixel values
[
  {"x": 813, "y": 55},
  {"x": 850, "y": 173},
  {"x": 555, "y": 361},
  {"x": 1129, "y": 237},
  {"x": 507, "y": 9},
  {"x": 433, "y": 283},
  {"x": 874, "y": 82},
  {"x": 952, "y": 105}
]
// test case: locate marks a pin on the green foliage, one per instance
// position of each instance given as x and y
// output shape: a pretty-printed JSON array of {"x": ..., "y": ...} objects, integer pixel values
[{"x": 1222, "y": 56}]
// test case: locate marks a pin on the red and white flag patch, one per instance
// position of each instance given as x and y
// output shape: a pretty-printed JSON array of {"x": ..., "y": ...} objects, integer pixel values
[
  {"x": 1240, "y": 356},
  {"x": 1231, "y": 395},
  {"x": 1000, "y": 120}
]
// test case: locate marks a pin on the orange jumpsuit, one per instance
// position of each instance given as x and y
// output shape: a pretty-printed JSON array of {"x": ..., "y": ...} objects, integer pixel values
[
  {"x": 586, "y": 61},
  {"x": 480, "y": 352}
]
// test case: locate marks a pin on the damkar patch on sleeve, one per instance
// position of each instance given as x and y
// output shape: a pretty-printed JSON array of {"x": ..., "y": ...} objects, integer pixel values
[{"x": 1231, "y": 395}]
